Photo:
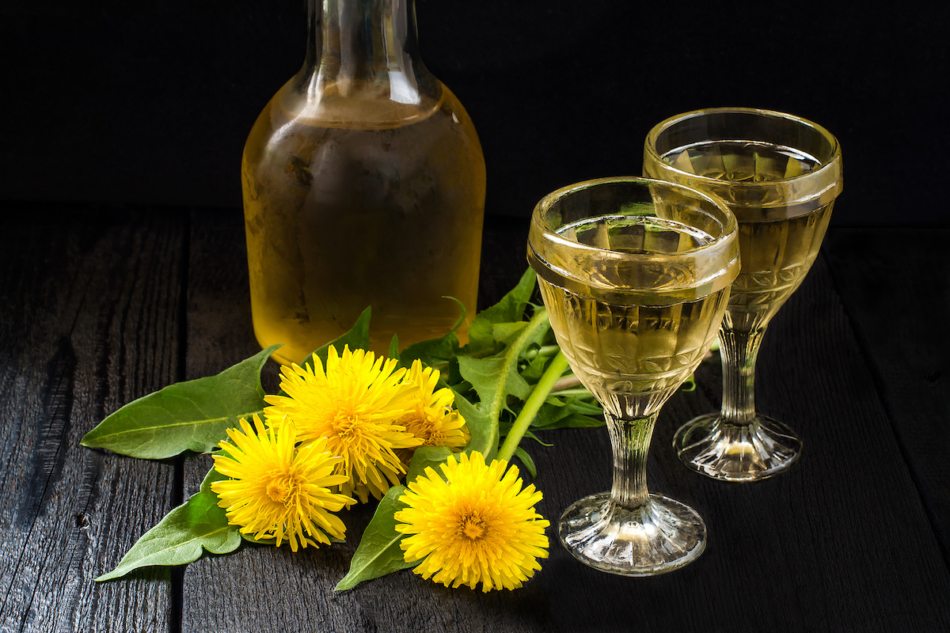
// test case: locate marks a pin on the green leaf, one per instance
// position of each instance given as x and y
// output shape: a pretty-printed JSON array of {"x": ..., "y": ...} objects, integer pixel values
[
  {"x": 536, "y": 367},
  {"x": 190, "y": 415},
  {"x": 434, "y": 352},
  {"x": 576, "y": 421},
  {"x": 488, "y": 376},
  {"x": 510, "y": 309},
  {"x": 356, "y": 338},
  {"x": 505, "y": 332},
  {"x": 574, "y": 412},
  {"x": 521, "y": 454},
  {"x": 484, "y": 433},
  {"x": 184, "y": 534},
  {"x": 427, "y": 457},
  {"x": 506, "y": 429},
  {"x": 532, "y": 436},
  {"x": 378, "y": 553},
  {"x": 394, "y": 347},
  {"x": 462, "y": 313},
  {"x": 495, "y": 377}
]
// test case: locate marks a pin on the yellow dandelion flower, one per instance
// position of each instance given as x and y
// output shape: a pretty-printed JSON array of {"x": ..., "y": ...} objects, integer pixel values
[
  {"x": 431, "y": 417},
  {"x": 478, "y": 526},
  {"x": 275, "y": 492},
  {"x": 354, "y": 404}
]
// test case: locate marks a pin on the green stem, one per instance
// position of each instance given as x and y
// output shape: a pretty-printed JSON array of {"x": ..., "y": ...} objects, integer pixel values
[
  {"x": 580, "y": 391},
  {"x": 547, "y": 350},
  {"x": 531, "y": 406},
  {"x": 511, "y": 359}
]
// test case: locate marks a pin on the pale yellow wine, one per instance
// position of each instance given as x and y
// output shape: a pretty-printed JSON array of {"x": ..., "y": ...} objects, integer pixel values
[
  {"x": 630, "y": 356},
  {"x": 775, "y": 252},
  {"x": 340, "y": 217}
]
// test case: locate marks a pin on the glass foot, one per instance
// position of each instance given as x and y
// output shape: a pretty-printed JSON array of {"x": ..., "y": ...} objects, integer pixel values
[
  {"x": 737, "y": 453},
  {"x": 658, "y": 537}
]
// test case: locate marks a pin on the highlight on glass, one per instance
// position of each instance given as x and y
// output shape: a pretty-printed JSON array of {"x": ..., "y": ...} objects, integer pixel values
[
  {"x": 780, "y": 175},
  {"x": 635, "y": 275}
]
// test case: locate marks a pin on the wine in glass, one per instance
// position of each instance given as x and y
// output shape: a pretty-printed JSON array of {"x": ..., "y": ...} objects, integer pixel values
[
  {"x": 780, "y": 175},
  {"x": 635, "y": 276}
]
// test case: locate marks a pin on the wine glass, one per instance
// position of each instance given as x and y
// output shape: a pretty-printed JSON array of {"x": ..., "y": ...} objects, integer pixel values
[
  {"x": 635, "y": 277},
  {"x": 780, "y": 175}
]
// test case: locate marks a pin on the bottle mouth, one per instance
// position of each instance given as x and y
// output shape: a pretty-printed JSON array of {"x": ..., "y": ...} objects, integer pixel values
[
  {"x": 634, "y": 241},
  {"x": 799, "y": 192}
]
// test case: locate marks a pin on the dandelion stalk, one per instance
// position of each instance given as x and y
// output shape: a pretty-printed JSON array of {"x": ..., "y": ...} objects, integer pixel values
[
  {"x": 532, "y": 405},
  {"x": 539, "y": 319}
]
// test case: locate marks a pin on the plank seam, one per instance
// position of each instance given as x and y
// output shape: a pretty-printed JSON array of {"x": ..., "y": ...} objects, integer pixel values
[
  {"x": 879, "y": 389},
  {"x": 175, "y": 623}
]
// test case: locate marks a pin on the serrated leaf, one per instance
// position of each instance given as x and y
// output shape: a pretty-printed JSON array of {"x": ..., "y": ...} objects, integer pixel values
[
  {"x": 184, "y": 534},
  {"x": 494, "y": 378},
  {"x": 488, "y": 375},
  {"x": 378, "y": 553},
  {"x": 190, "y": 415},
  {"x": 484, "y": 434},
  {"x": 505, "y": 332},
  {"x": 356, "y": 338},
  {"x": 510, "y": 309}
]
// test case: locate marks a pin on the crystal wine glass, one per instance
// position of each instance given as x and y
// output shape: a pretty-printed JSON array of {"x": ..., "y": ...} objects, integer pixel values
[
  {"x": 780, "y": 175},
  {"x": 635, "y": 276}
]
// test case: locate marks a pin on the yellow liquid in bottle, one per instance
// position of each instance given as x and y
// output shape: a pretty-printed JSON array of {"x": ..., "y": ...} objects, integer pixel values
[{"x": 344, "y": 216}]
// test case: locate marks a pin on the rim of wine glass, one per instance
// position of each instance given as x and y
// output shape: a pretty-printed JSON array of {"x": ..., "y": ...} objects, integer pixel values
[
  {"x": 708, "y": 278},
  {"x": 829, "y": 170}
]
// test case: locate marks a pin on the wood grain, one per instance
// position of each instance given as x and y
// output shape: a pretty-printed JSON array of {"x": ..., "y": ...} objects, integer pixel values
[
  {"x": 101, "y": 307},
  {"x": 90, "y": 320},
  {"x": 841, "y": 542},
  {"x": 895, "y": 286}
]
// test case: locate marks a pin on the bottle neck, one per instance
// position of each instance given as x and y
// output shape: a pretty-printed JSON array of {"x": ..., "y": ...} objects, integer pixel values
[{"x": 366, "y": 50}]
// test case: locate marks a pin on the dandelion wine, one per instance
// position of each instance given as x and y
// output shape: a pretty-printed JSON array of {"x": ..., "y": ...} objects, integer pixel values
[
  {"x": 632, "y": 356},
  {"x": 339, "y": 217},
  {"x": 776, "y": 248}
]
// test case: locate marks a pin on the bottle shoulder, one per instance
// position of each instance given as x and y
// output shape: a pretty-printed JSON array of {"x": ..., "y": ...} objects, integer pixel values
[
  {"x": 286, "y": 117},
  {"x": 345, "y": 104}
]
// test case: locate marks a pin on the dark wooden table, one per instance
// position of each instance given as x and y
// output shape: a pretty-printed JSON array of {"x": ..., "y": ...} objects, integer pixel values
[{"x": 101, "y": 306}]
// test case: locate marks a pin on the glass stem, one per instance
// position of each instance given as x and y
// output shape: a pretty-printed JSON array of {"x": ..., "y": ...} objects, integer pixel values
[
  {"x": 739, "y": 350},
  {"x": 630, "y": 440}
]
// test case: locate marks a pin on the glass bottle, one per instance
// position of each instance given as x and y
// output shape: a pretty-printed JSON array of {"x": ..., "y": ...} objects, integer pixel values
[{"x": 364, "y": 185}]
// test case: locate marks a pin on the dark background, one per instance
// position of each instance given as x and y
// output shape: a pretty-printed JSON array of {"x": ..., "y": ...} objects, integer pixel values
[{"x": 149, "y": 103}]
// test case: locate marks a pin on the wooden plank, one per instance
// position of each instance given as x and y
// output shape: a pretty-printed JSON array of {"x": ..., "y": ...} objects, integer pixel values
[
  {"x": 90, "y": 321},
  {"x": 895, "y": 286},
  {"x": 258, "y": 588},
  {"x": 261, "y": 588},
  {"x": 839, "y": 543}
]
